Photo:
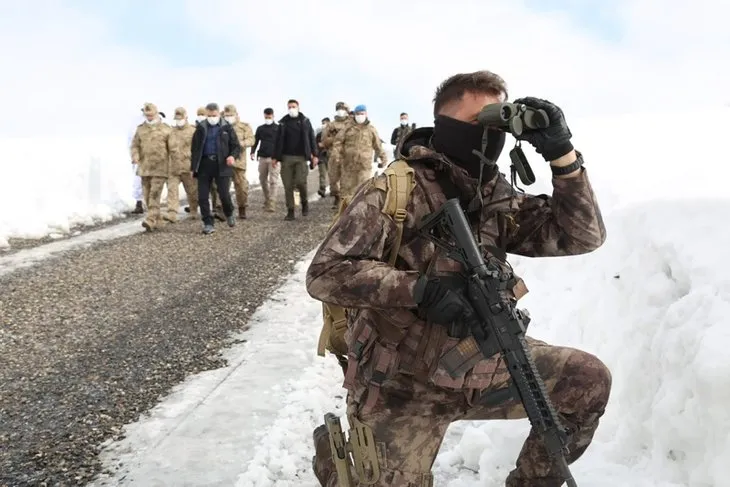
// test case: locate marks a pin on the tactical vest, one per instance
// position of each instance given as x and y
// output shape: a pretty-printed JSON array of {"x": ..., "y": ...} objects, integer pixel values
[{"x": 397, "y": 185}]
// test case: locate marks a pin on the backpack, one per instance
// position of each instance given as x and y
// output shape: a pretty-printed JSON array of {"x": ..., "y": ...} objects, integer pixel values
[{"x": 398, "y": 185}]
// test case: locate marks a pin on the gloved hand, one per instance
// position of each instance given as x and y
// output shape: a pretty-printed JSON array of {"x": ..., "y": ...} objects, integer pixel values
[
  {"x": 443, "y": 298},
  {"x": 552, "y": 142}
]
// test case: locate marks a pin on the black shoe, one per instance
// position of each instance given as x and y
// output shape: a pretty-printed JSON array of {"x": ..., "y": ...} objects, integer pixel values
[
  {"x": 305, "y": 208},
  {"x": 208, "y": 229},
  {"x": 289, "y": 215},
  {"x": 336, "y": 202},
  {"x": 322, "y": 193},
  {"x": 187, "y": 209},
  {"x": 242, "y": 213},
  {"x": 138, "y": 209},
  {"x": 231, "y": 221},
  {"x": 220, "y": 217}
]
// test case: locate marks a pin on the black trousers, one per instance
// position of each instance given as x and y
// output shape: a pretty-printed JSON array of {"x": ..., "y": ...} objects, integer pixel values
[{"x": 208, "y": 172}]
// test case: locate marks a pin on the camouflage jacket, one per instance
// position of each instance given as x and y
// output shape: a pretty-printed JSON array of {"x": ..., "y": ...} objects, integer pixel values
[
  {"x": 180, "y": 142},
  {"x": 386, "y": 336},
  {"x": 151, "y": 150},
  {"x": 332, "y": 129},
  {"x": 244, "y": 132},
  {"x": 354, "y": 145}
]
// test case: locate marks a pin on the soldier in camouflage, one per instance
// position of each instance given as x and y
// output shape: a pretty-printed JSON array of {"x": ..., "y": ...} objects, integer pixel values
[
  {"x": 245, "y": 136},
  {"x": 342, "y": 120},
  {"x": 397, "y": 338},
  {"x": 353, "y": 149},
  {"x": 150, "y": 151},
  {"x": 181, "y": 139}
]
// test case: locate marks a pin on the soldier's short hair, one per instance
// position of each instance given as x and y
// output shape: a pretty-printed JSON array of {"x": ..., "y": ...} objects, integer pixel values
[
  {"x": 268, "y": 111},
  {"x": 293, "y": 101},
  {"x": 212, "y": 106},
  {"x": 453, "y": 89},
  {"x": 404, "y": 113}
]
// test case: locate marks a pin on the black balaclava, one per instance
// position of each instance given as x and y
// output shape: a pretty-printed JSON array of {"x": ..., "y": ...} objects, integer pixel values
[{"x": 457, "y": 140}]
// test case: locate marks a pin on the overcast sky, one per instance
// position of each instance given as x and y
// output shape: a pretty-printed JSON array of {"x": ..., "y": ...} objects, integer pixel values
[{"x": 86, "y": 66}]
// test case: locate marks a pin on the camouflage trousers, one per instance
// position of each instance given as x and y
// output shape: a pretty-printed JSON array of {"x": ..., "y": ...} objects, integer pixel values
[
  {"x": 335, "y": 174},
  {"x": 323, "y": 169},
  {"x": 409, "y": 420},
  {"x": 269, "y": 179},
  {"x": 152, "y": 192},
  {"x": 190, "y": 185},
  {"x": 352, "y": 178},
  {"x": 240, "y": 185}
]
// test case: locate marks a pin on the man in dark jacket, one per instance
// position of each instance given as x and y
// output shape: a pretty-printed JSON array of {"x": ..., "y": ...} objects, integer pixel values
[
  {"x": 269, "y": 169},
  {"x": 214, "y": 150},
  {"x": 400, "y": 133},
  {"x": 295, "y": 145}
]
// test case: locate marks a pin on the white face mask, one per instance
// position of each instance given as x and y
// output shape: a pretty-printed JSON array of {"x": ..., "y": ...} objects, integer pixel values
[
  {"x": 180, "y": 123},
  {"x": 341, "y": 113},
  {"x": 200, "y": 118},
  {"x": 404, "y": 122},
  {"x": 361, "y": 118},
  {"x": 214, "y": 120},
  {"x": 294, "y": 112},
  {"x": 151, "y": 122},
  {"x": 268, "y": 121},
  {"x": 231, "y": 119}
]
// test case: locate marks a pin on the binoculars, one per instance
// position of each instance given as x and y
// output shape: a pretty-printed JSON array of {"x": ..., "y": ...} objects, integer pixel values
[{"x": 513, "y": 117}]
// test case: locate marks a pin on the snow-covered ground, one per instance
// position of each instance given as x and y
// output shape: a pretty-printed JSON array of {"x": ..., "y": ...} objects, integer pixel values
[
  {"x": 76, "y": 182},
  {"x": 653, "y": 303}
]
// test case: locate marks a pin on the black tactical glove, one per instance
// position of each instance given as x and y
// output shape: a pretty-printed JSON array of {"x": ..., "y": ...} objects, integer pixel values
[
  {"x": 443, "y": 299},
  {"x": 552, "y": 142}
]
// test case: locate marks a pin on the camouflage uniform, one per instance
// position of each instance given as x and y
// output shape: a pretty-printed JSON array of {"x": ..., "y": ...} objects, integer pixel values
[
  {"x": 245, "y": 136},
  {"x": 181, "y": 139},
  {"x": 328, "y": 139},
  {"x": 353, "y": 148},
  {"x": 396, "y": 381},
  {"x": 151, "y": 150}
]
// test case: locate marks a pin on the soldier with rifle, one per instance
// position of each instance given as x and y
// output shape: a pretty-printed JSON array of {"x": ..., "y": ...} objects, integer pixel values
[{"x": 436, "y": 337}]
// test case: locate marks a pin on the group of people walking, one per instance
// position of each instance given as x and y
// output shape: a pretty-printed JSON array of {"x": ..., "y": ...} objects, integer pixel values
[{"x": 208, "y": 155}]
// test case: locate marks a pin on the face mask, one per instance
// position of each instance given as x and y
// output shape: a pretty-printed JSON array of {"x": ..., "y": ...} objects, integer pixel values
[
  {"x": 214, "y": 120},
  {"x": 200, "y": 118},
  {"x": 231, "y": 119},
  {"x": 360, "y": 118},
  {"x": 180, "y": 123},
  {"x": 294, "y": 112},
  {"x": 457, "y": 139},
  {"x": 404, "y": 122},
  {"x": 151, "y": 122},
  {"x": 341, "y": 113},
  {"x": 268, "y": 121}
]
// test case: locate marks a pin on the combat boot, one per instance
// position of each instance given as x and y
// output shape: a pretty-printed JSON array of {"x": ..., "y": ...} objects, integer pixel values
[
  {"x": 269, "y": 206},
  {"x": 289, "y": 215},
  {"x": 242, "y": 212},
  {"x": 336, "y": 202},
  {"x": 138, "y": 209},
  {"x": 322, "y": 463},
  {"x": 305, "y": 208}
]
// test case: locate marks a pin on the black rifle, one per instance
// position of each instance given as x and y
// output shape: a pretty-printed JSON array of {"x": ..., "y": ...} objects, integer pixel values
[{"x": 499, "y": 327}]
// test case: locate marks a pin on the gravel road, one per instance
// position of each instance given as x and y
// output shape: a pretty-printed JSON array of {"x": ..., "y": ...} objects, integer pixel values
[{"x": 91, "y": 339}]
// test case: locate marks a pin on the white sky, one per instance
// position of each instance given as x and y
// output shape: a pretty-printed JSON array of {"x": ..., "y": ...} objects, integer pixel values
[{"x": 62, "y": 71}]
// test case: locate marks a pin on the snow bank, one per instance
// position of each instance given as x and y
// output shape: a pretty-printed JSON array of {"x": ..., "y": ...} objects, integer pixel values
[
  {"x": 75, "y": 181},
  {"x": 654, "y": 304}
]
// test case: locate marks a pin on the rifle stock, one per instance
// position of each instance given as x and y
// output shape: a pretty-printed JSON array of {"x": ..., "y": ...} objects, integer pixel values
[{"x": 499, "y": 327}]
